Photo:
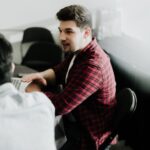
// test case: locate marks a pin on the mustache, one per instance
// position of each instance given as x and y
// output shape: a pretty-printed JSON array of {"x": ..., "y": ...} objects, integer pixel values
[{"x": 63, "y": 42}]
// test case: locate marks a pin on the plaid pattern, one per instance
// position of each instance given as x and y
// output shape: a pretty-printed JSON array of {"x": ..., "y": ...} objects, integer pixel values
[{"x": 89, "y": 93}]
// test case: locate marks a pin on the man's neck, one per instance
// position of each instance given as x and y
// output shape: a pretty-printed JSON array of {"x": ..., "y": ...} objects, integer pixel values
[{"x": 86, "y": 42}]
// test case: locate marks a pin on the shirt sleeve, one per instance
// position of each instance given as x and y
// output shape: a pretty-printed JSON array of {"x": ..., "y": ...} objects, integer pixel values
[{"x": 83, "y": 81}]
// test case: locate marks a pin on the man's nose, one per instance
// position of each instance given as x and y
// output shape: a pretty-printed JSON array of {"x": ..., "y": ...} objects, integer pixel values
[{"x": 62, "y": 36}]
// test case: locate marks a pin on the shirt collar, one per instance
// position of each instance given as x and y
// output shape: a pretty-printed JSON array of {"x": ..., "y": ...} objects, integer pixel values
[{"x": 90, "y": 45}]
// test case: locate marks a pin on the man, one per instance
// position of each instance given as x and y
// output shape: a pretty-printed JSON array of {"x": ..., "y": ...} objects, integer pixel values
[
  {"x": 87, "y": 76},
  {"x": 26, "y": 119}
]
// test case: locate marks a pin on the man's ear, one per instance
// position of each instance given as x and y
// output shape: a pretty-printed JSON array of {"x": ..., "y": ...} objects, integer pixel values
[
  {"x": 87, "y": 32},
  {"x": 12, "y": 67}
]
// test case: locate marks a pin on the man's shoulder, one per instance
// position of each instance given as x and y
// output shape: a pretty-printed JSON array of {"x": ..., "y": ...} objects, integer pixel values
[
  {"x": 19, "y": 101},
  {"x": 36, "y": 98},
  {"x": 29, "y": 118},
  {"x": 94, "y": 57}
]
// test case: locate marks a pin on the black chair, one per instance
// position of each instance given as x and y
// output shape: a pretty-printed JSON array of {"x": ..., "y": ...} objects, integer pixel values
[
  {"x": 35, "y": 34},
  {"x": 126, "y": 106},
  {"x": 42, "y": 55}
]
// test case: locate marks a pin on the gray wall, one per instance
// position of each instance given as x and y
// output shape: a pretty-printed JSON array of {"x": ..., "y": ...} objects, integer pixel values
[{"x": 18, "y": 13}]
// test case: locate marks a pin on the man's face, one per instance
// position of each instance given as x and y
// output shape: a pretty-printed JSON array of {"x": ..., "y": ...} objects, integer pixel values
[{"x": 71, "y": 36}]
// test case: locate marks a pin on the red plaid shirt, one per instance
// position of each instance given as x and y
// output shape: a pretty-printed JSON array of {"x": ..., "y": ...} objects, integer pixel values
[{"x": 89, "y": 92}]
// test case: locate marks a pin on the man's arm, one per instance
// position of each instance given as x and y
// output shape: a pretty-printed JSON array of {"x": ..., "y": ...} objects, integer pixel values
[
  {"x": 49, "y": 76},
  {"x": 83, "y": 82},
  {"x": 39, "y": 80}
]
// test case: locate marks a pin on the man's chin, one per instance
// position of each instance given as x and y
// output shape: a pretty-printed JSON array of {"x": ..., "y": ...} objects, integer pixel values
[{"x": 66, "y": 50}]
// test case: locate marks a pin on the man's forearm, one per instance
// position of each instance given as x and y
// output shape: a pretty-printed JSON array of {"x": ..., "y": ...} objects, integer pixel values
[{"x": 49, "y": 75}]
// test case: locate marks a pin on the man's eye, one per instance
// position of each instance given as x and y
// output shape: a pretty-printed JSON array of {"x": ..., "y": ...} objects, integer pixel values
[{"x": 69, "y": 32}]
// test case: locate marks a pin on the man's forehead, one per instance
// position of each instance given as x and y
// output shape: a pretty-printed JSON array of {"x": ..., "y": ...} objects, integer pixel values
[
  {"x": 68, "y": 28},
  {"x": 67, "y": 25}
]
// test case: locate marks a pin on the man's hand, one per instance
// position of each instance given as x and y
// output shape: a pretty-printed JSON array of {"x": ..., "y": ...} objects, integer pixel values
[
  {"x": 37, "y": 82},
  {"x": 33, "y": 87},
  {"x": 35, "y": 77}
]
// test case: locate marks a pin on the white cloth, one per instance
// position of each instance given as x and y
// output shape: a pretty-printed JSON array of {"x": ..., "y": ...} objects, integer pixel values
[
  {"x": 26, "y": 120},
  {"x": 70, "y": 65}
]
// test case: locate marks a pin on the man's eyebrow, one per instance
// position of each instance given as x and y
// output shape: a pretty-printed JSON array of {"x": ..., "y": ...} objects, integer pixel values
[{"x": 68, "y": 29}]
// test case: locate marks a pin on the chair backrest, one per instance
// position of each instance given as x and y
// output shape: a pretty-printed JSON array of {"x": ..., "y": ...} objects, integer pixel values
[
  {"x": 42, "y": 55},
  {"x": 126, "y": 106},
  {"x": 35, "y": 34},
  {"x": 32, "y": 34}
]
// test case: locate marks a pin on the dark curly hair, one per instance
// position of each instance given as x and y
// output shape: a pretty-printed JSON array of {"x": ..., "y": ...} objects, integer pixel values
[
  {"x": 5, "y": 60},
  {"x": 77, "y": 13}
]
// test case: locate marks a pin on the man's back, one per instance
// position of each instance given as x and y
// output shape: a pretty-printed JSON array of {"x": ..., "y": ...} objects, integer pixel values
[{"x": 26, "y": 120}]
